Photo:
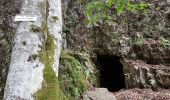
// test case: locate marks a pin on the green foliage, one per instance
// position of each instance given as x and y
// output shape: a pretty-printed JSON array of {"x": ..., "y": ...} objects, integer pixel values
[
  {"x": 66, "y": 30},
  {"x": 73, "y": 76},
  {"x": 73, "y": 80},
  {"x": 100, "y": 9}
]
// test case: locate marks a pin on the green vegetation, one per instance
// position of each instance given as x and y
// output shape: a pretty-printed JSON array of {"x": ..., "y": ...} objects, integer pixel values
[
  {"x": 55, "y": 18},
  {"x": 103, "y": 9},
  {"x": 34, "y": 28},
  {"x": 137, "y": 39},
  {"x": 50, "y": 88},
  {"x": 66, "y": 30},
  {"x": 164, "y": 41},
  {"x": 73, "y": 76}
]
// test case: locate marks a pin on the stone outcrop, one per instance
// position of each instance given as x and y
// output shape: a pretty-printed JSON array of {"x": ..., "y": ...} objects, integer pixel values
[
  {"x": 152, "y": 51},
  {"x": 140, "y": 38},
  {"x": 36, "y": 50},
  {"x": 8, "y": 9},
  {"x": 99, "y": 94},
  {"x": 20, "y": 65},
  {"x": 115, "y": 37},
  {"x": 139, "y": 74}
]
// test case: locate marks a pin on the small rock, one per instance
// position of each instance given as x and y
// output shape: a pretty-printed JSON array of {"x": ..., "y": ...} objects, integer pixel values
[{"x": 99, "y": 94}]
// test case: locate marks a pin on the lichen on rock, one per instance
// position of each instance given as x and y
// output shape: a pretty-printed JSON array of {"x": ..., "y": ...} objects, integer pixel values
[
  {"x": 8, "y": 8},
  {"x": 50, "y": 87}
]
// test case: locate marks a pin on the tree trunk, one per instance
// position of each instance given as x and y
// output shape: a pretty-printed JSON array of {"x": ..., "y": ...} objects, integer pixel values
[{"x": 26, "y": 72}]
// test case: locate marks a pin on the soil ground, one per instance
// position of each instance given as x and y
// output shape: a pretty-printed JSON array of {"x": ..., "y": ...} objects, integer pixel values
[{"x": 143, "y": 94}]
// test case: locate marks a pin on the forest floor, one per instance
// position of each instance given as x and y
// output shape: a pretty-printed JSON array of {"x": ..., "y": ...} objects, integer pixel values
[{"x": 143, "y": 94}]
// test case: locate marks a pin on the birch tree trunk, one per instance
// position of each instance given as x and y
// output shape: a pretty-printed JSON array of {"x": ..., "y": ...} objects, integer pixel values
[{"x": 26, "y": 72}]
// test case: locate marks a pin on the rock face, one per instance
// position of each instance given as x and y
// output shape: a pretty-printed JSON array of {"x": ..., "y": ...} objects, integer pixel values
[
  {"x": 153, "y": 51},
  {"x": 25, "y": 76},
  {"x": 31, "y": 71},
  {"x": 139, "y": 74},
  {"x": 99, "y": 94},
  {"x": 55, "y": 28},
  {"x": 8, "y": 8},
  {"x": 152, "y": 70},
  {"x": 140, "y": 39},
  {"x": 117, "y": 37},
  {"x": 5, "y": 50}
]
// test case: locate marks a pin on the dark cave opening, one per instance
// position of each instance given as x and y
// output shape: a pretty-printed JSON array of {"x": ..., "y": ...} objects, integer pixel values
[{"x": 111, "y": 72}]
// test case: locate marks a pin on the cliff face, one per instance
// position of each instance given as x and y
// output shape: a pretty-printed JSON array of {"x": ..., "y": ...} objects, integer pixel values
[
  {"x": 36, "y": 49},
  {"x": 140, "y": 39}
]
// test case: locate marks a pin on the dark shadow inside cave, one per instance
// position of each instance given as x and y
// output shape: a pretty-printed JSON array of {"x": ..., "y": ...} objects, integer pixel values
[{"x": 111, "y": 72}]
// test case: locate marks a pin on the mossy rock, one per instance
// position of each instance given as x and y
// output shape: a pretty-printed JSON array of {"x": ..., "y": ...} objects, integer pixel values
[
  {"x": 73, "y": 78},
  {"x": 50, "y": 89}
]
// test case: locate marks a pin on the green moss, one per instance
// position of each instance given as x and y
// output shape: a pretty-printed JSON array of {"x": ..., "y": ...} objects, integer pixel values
[
  {"x": 50, "y": 88},
  {"x": 72, "y": 76},
  {"x": 66, "y": 30},
  {"x": 35, "y": 28},
  {"x": 55, "y": 18}
]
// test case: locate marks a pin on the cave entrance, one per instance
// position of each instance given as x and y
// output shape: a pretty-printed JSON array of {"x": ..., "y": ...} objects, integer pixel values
[{"x": 111, "y": 72}]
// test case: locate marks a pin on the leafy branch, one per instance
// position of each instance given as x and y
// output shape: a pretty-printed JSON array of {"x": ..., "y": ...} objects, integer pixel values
[{"x": 101, "y": 9}]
